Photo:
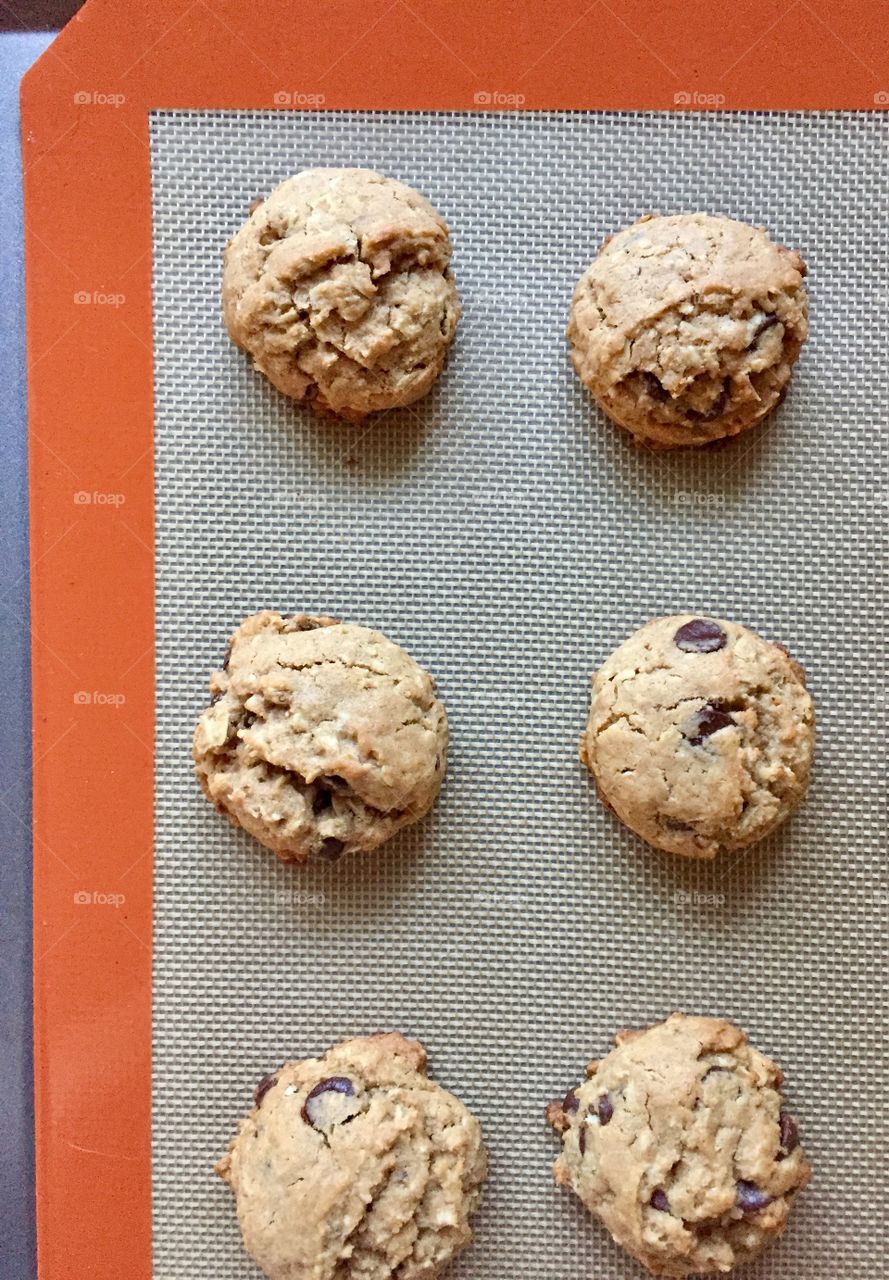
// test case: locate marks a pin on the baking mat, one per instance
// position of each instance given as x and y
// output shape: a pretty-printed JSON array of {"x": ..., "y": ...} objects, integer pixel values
[{"x": 509, "y": 538}]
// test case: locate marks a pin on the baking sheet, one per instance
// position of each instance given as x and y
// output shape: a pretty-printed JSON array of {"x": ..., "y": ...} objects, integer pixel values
[{"x": 509, "y": 538}]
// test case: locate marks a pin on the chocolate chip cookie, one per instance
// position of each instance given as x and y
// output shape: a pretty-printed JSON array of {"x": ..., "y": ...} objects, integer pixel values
[
  {"x": 680, "y": 1143},
  {"x": 686, "y": 328},
  {"x": 700, "y": 735},
  {"x": 323, "y": 737},
  {"x": 340, "y": 288},
  {"x": 356, "y": 1164}
]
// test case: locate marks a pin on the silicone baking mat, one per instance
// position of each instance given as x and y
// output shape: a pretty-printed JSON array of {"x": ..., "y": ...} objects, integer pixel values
[{"x": 509, "y": 538}]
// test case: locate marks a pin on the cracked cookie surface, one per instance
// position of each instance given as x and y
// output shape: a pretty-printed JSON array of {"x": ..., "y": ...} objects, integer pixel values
[
  {"x": 339, "y": 286},
  {"x": 323, "y": 738},
  {"x": 700, "y": 735},
  {"x": 686, "y": 328},
  {"x": 356, "y": 1164},
  {"x": 680, "y": 1143}
]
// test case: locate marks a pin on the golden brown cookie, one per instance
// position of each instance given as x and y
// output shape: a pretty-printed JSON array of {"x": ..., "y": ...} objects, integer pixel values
[
  {"x": 680, "y": 1143},
  {"x": 686, "y": 328},
  {"x": 700, "y": 735},
  {"x": 323, "y": 737},
  {"x": 356, "y": 1164},
  {"x": 339, "y": 286}
]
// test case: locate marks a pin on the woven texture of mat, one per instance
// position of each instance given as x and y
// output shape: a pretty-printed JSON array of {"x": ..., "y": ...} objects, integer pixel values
[{"x": 509, "y": 538}]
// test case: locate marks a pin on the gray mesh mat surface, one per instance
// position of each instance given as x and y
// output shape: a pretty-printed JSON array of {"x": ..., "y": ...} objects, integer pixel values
[{"x": 509, "y": 538}]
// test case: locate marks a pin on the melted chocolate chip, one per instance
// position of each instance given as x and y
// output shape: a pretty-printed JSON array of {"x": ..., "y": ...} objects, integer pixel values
[
  {"x": 712, "y": 717},
  {"x": 660, "y": 1202},
  {"x": 604, "y": 1109},
  {"x": 331, "y": 849},
  {"x": 750, "y": 1198},
  {"x": 581, "y": 1138},
  {"x": 789, "y": 1133},
  {"x": 266, "y": 1083},
  {"x": 767, "y": 322},
  {"x": 324, "y": 1105},
  {"x": 701, "y": 635},
  {"x": 247, "y": 719},
  {"x": 571, "y": 1103},
  {"x": 674, "y": 824}
]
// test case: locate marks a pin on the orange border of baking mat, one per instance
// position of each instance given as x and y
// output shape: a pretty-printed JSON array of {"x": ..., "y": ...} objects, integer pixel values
[{"x": 88, "y": 246}]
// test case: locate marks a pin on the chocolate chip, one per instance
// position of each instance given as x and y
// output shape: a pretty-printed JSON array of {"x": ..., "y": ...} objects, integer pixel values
[
  {"x": 789, "y": 1132},
  {"x": 571, "y": 1103},
  {"x": 247, "y": 719},
  {"x": 332, "y": 849},
  {"x": 766, "y": 322},
  {"x": 581, "y": 1138},
  {"x": 660, "y": 1202},
  {"x": 266, "y": 1083},
  {"x": 701, "y": 635},
  {"x": 750, "y": 1198},
  {"x": 604, "y": 1109},
  {"x": 327, "y": 1102},
  {"x": 712, "y": 717}
]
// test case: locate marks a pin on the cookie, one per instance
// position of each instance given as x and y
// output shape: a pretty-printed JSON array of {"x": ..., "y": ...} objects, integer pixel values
[
  {"x": 340, "y": 288},
  {"x": 323, "y": 737},
  {"x": 700, "y": 735},
  {"x": 686, "y": 328},
  {"x": 679, "y": 1142},
  {"x": 356, "y": 1164}
]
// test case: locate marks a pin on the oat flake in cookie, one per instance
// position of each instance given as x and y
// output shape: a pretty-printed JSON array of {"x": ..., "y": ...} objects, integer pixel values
[
  {"x": 700, "y": 735},
  {"x": 323, "y": 737},
  {"x": 686, "y": 328},
  {"x": 356, "y": 1164},
  {"x": 339, "y": 286},
  {"x": 680, "y": 1143}
]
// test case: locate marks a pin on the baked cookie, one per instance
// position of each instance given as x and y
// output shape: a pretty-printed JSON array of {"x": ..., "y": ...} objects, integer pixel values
[
  {"x": 700, "y": 735},
  {"x": 339, "y": 286},
  {"x": 680, "y": 1144},
  {"x": 323, "y": 737},
  {"x": 356, "y": 1164},
  {"x": 686, "y": 328}
]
